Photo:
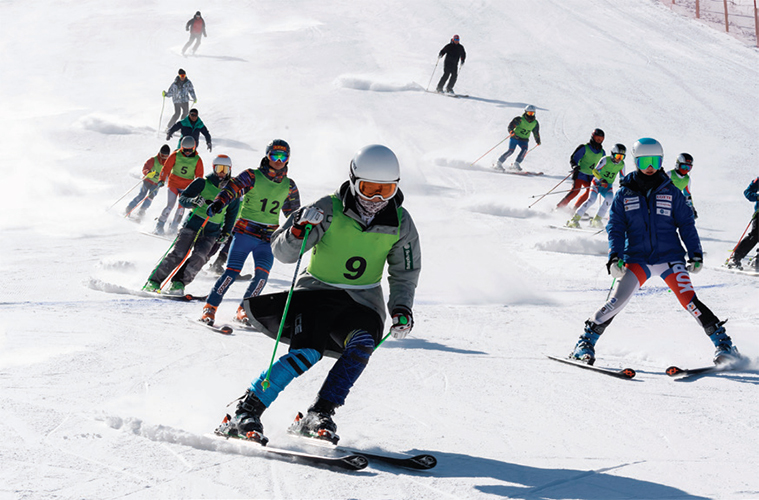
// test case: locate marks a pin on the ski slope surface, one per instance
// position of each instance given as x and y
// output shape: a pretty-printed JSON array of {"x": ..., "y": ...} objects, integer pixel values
[{"x": 104, "y": 394}]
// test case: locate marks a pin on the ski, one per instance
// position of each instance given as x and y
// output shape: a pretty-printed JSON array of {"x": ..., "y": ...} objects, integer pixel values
[
  {"x": 523, "y": 173},
  {"x": 187, "y": 297},
  {"x": 447, "y": 94},
  {"x": 744, "y": 271},
  {"x": 223, "y": 329},
  {"x": 681, "y": 373},
  {"x": 103, "y": 286},
  {"x": 624, "y": 373},
  {"x": 349, "y": 461},
  {"x": 590, "y": 230},
  {"x": 165, "y": 237}
]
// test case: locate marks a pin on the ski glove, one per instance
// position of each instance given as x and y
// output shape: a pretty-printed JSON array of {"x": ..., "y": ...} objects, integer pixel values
[
  {"x": 307, "y": 215},
  {"x": 695, "y": 264},
  {"x": 168, "y": 137},
  {"x": 199, "y": 200},
  {"x": 209, "y": 146},
  {"x": 615, "y": 267},
  {"x": 403, "y": 322},
  {"x": 222, "y": 238},
  {"x": 214, "y": 208},
  {"x": 163, "y": 93}
]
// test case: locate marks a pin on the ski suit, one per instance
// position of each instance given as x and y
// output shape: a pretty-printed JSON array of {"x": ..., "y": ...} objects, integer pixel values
[
  {"x": 265, "y": 193},
  {"x": 453, "y": 53},
  {"x": 180, "y": 92},
  {"x": 178, "y": 172},
  {"x": 187, "y": 127},
  {"x": 151, "y": 171},
  {"x": 197, "y": 27},
  {"x": 752, "y": 238},
  {"x": 520, "y": 129},
  {"x": 338, "y": 307},
  {"x": 583, "y": 160},
  {"x": 604, "y": 175}
]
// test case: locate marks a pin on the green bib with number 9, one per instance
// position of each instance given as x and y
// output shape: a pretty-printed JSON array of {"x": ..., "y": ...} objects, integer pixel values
[{"x": 347, "y": 255}]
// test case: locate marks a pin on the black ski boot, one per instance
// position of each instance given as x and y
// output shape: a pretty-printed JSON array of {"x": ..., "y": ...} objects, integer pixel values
[
  {"x": 317, "y": 423},
  {"x": 246, "y": 424}
]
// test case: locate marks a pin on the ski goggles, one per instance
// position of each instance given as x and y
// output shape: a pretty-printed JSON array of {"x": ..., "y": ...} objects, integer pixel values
[
  {"x": 529, "y": 113},
  {"x": 278, "y": 155},
  {"x": 619, "y": 157},
  {"x": 384, "y": 190},
  {"x": 644, "y": 162},
  {"x": 222, "y": 170},
  {"x": 685, "y": 167}
]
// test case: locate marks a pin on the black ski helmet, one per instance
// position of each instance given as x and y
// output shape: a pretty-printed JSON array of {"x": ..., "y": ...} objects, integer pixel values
[
  {"x": 278, "y": 144},
  {"x": 618, "y": 149},
  {"x": 165, "y": 150},
  {"x": 684, "y": 162},
  {"x": 597, "y": 133}
]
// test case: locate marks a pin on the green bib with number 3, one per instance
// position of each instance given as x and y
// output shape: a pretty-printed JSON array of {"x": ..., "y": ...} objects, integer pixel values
[
  {"x": 347, "y": 255},
  {"x": 263, "y": 203}
]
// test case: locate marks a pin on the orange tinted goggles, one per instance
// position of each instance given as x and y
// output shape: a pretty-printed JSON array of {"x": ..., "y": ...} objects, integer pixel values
[{"x": 382, "y": 189}]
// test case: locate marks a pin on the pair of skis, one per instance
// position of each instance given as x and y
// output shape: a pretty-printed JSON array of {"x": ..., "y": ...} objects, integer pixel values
[{"x": 628, "y": 373}]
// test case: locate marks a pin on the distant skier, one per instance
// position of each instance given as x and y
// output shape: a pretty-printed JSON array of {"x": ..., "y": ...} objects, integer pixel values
[
  {"x": 647, "y": 214},
  {"x": 194, "y": 235},
  {"x": 151, "y": 172},
  {"x": 196, "y": 26},
  {"x": 180, "y": 91},
  {"x": 583, "y": 160},
  {"x": 191, "y": 126},
  {"x": 265, "y": 192},
  {"x": 752, "y": 238},
  {"x": 681, "y": 178},
  {"x": 453, "y": 52},
  {"x": 519, "y": 131},
  {"x": 603, "y": 183},
  {"x": 338, "y": 303},
  {"x": 180, "y": 169}
]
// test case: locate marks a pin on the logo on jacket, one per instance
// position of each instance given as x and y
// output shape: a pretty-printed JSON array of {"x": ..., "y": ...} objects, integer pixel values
[{"x": 665, "y": 197}]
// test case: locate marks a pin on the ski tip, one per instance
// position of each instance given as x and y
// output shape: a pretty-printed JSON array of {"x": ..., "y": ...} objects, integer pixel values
[
  {"x": 424, "y": 461},
  {"x": 627, "y": 372},
  {"x": 673, "y": 371}
]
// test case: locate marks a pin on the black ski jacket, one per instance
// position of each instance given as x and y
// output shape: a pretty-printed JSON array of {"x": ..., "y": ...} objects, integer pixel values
[{"x": 453, "y": 52}]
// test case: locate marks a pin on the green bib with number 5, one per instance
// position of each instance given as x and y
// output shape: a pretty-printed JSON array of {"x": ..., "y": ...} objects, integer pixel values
[
  {"x": 263, "y": 203},
  {"x": 347, "y": 255}
]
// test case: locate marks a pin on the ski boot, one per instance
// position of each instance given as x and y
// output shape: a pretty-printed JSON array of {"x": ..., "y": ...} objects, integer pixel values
[
  {"x": 498, "y": 166},
  {"x": 241, "y": 316},
  {"x": 177, "y": 288},
  {"x": 596, "y": 222},
  {"x": 246, "y": 424},
  {"x": 317, "y": 423},
  {"x": 734, "y": 263},
  {"x": 450, "y": 91},
  {"x": 516, "y": 166},
  {"x": 159, "y": 228},
  {"x": 173, "y": 228},
  {"x": 585, "y": 349},
  {"x": 726, "y": 352},
  {"x": 151, "y": 286},
  {"x": 218, "y": 265},
  {"x": 140, "y": 215},
  {"x": 209, "y": 314},
  {"x": 439, "y": 90},
  {"x": 574, "y": 222}
]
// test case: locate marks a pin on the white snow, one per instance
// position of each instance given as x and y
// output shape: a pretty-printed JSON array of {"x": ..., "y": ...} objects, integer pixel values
[{"x": 106, "y": 395}]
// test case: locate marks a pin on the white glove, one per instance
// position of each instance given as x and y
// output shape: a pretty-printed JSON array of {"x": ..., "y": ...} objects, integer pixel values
[
  {"x": 309, "y": 215},
  {"x": 403, "y": 322},
  {"x": 616, "y": 267},
  {"x": 695, "y": 264}
]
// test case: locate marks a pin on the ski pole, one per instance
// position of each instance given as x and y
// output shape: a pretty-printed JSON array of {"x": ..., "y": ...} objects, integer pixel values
[
  {"x": 554, "y": 192},
  {"x": 130, "y": 190},
  {"x": 549, "y": 192},
  {"x": 187, "y": 255},
  {"x": 611, "y": 288},
  {"x": 155, "y": 268},
  {"x": 160, "y": 118},
  {"x": 531, "y": 149},
  {"x": 265, "y": 383},
  {"x": 511, "y": 134},
  {"x": 432, "y": 75}
]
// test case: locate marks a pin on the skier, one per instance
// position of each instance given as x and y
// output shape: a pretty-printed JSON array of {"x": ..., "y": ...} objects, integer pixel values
[
  {"x": 584, "y": 158},
  {"x": 519, "y": 131},
  {"x": 603, "y": 182},
  {"x": 265, "y": 192},
  {"x": 191, "y": 126},
  {"x": 752, "y": 238},
  {"x": 681, "y": 178},
  {"x": 199, "y": 232},
  {"x": 196, "y": 26},
  {"x": 337, "y": 304},
  {"x": 180, "y": 92},
  {"x": 453, "y": 52},
  {"x": 180, "y": 169},
  {"x": 647, "y": 213},
  {"x": 150, "y": 184}
]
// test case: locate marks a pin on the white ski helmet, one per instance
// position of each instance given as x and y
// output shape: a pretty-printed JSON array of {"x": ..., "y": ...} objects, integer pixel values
[
  {"x": 530, "y": 109},
  {"x": 378, "y": 166},
  {"x": 648, "y": 152},
  {"x": 222, "y": 166},
  {"x": 188, "y": 142}
]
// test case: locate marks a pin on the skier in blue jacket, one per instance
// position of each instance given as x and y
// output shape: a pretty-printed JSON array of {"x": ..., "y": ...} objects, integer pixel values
[
  {"x": 752, "y": 238},
  {"x": 646, "y": 216}
]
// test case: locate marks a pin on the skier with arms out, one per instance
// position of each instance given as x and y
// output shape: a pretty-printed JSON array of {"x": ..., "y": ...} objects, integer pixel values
[
  {"x": 752, "y": 238},
  {"x": 519, "y": 132},
  {"x": 265, "y": 192},
  {"x": 582, "y": 161},
  {"x": 453, "y": 52},
  {"x": 180, "y": 91},
  {"x": 151, "y": 172},
  {"x": 337, "y": 305},
  {"x": 197, "y": 196},
  {"x": 191, "y": 126},
  {"x": 646, "y": 216},
  {"x": 603, "y": 181}
]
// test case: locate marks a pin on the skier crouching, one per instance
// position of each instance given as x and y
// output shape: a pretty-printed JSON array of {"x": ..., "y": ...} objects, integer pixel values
[
  {"x": 646, "y": 215},
  {"x": 337, "y": 306}
]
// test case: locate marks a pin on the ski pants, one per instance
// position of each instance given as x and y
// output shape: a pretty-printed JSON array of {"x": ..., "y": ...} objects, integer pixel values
[
  {"x": 171, "y": 200},
  {"x": 180, "y": 108},
  {"x": 581, "y": 183},
  {"x": 453, "y": 73},
  {"x": 242, "y": 246},
  {"x": 146, "y": 195},
  {"x": 318, "y": 321},
  {"x": 607, "y": 195},
  {"x": 194, "y": 37},
  {"x": 182, "y": 245},
  {"x": 513, "y": 143},
  {"x": 749, "y": 241},
  {"x": 674, "y": 274}
]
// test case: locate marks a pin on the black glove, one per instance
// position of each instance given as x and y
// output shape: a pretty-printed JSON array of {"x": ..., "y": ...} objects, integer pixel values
[
  {"x": 168, "y": 137},
  {"x": 214, "y": 208},
  {"x": 209, "y": 146},
  {"x": 695, "y": 214}
]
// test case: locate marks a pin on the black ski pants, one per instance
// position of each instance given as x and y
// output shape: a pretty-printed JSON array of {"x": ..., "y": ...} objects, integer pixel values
[
  {"x": 452, "y": 72},
  {"x": 749, "y": 241}
]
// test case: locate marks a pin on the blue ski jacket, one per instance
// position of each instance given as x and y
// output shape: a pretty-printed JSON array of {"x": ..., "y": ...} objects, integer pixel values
[
  {"x": 752, "y": 193},
  {"x": 646, "y": 215}
]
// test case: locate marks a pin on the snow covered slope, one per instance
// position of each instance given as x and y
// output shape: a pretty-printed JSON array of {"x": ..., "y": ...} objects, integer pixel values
[{"x": 106, "y": 395}]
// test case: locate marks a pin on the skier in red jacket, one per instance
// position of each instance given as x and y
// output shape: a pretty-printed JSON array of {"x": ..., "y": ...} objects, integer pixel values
[{"x": 196, "y": 26}]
